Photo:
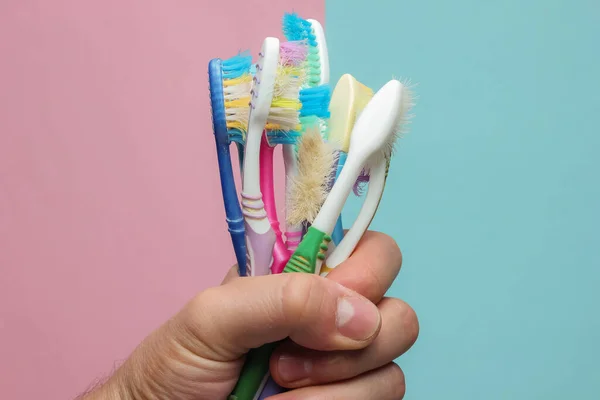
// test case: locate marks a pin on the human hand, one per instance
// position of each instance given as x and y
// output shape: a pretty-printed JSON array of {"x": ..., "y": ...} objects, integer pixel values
[{"x": 343, "y": 335}]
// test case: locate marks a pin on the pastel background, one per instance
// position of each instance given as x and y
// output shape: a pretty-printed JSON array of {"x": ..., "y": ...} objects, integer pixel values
[
  {"x": 494, "y": 196},
  {"x": 110, "y": 207},
  {"x": 110, "y": 213}
]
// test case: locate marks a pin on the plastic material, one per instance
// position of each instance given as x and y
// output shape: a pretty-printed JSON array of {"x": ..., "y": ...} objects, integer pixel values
[{"x": 233, "y": 211}]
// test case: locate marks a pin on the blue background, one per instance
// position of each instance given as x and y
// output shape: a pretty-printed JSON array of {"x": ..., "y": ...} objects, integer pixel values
[{"x": 494, "y": 194}]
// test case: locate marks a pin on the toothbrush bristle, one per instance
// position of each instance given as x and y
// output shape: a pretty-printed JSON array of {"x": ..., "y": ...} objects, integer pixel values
[
  {"x": 315, "y": 108},
  {"x": 296, "y": 28},
  {"x": 284, "y": 114},
  {"x": 316, "y": 160},
  {"x": 315, "y": 101},
  {"x": 293, "y": 53},
  {"x": 237, "y": 83},
  {"x": 388, "y": 150},
  {"x": 361, "y": 181},
  {"x": 404, "y": 119}
]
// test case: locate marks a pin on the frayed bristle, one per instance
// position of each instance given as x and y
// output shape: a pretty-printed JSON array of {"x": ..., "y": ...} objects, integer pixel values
[
  {"x": 237, "y": 83},
  {"x": 361, "y": 182},
  {"x": 296, "y": 28},
  {"x": 389, "y": 149},
  {"x": 315, "y": 108},
  {"x": 315, "y": 101},
  {"x": 284, "y": 114},
  {"x": 237, "y": 66},
  {"x": 293, "y": 53},
  {"x": 404, "y": 118},
  {"x": 310, "y": 186}
]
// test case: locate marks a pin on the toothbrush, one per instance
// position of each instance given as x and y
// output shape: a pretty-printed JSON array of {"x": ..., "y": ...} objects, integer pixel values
[
  {"x": 376, "y": 175},
  {"x": 230, "y": 84},
  {"x": 372, "y": 140},
  {"x": 273, "y": 105},
  {"x": 317, "y": 70},
  {"x": 294, "y": 54},
  {"x": 348, "y": 100}
]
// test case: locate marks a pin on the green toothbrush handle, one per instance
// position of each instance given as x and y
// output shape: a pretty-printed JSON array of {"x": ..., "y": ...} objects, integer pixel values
[
  {"x": 253, "y": 373},
  {"x": 310, "y": 252}
]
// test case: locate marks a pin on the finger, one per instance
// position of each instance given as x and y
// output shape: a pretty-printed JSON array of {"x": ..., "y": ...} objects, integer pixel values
[
  {"x": 386, "y": 383},
  {"x": 372, "y": 268},
  {"x": 231, "y": 275},
  {"x": 293, "y": 366},
  {"x": 227, "y": 321}
]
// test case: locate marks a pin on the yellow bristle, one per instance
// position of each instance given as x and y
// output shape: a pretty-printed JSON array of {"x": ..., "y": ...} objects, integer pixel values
[
  {"x": 237, "y": 81},
  {"x": 309, "y": 188},
  {"x": 237, "y": 96},
  {"x": 284, "y": 114}
]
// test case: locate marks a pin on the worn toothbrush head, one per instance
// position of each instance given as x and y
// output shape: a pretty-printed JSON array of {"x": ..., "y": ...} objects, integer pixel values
[
  {"x": 380, "y": 123},
  {"x": 401, "y": 127},
  {"x": 316, "y": 159},
  {"x": 230, "y": 84},
  {"x": 404, "y": 119},
  {"x": 283, "y": 113},
  {"x": 309, "y": 30}
]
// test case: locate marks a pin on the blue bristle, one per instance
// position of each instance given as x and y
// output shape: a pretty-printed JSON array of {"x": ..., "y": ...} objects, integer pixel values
[
  {"x": 235, "y": 135},
  {"x": 237, "y": 66},
  {"x": 315, "y": 101},
  {"x": 282, "y": 137},
  {"x": 296, "y": 28}
]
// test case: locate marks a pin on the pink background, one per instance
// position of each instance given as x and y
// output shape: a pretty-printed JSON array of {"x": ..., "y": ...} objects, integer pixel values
[{"x": 110, "y": 209}]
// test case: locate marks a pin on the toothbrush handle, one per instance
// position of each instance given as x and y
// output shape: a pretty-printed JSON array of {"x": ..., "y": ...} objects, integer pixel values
[
  {"x": 307, "y": 258},
  {"x": 310, "y": 254},
  {"x": 271, "y": 389},
  {"x": 338, "y": 230},
  {"x": 374, "y": 194},
  {"x": 233, "y": 211},
  {"x": 260, "y": 237},
  {"x": 293, "y": 238},
  {"x": 281, "y": 254},
  {"x": 253, "y": 374}
]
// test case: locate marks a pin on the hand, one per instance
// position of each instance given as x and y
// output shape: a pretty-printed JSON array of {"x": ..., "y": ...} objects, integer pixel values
[{"x": 343, "y": 335}]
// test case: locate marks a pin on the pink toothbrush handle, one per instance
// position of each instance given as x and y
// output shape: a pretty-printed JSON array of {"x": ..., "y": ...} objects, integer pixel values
[
  {"x": 259, "y": 245},
  {"x": 281, "y": 255},
  {"x": 293, "y": 239}
]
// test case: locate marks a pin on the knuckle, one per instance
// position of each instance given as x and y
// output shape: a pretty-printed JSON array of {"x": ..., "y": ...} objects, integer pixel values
[{"x": 301, "y": 298}]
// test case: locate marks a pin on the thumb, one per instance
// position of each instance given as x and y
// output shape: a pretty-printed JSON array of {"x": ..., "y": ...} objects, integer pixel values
[{"x": 317, "y": 313}]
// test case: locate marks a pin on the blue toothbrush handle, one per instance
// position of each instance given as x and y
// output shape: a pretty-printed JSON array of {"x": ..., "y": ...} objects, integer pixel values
[
  {"x": 233, "y": 211},
  {"x": 338, "y": 231}
]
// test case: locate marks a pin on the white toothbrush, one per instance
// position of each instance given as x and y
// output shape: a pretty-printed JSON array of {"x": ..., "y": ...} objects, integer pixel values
[{"x": 260, "y": 237}]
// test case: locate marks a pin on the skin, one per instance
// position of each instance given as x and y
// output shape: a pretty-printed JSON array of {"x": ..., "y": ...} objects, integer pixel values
[{"x": 341, "y": 334}]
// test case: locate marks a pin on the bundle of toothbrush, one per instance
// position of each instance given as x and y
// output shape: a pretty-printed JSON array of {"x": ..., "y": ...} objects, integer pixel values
[{"x": 333, "y": 143}]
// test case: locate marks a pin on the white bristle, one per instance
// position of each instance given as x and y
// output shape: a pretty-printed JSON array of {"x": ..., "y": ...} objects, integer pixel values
[{"x": 404, "y": 118}]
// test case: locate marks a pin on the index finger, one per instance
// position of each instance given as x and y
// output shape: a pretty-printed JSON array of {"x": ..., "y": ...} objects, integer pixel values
[{"x": 372, "y": 268}]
